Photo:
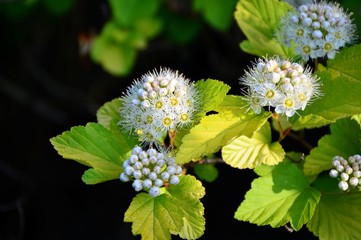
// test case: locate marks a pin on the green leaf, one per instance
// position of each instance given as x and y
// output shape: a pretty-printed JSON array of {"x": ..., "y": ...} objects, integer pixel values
[
  {"x": 114, "y": 55},
  {"x": 231, "y": 103},
  {"x": 210, "y": 94},
  {"x": 308, "y": 121},
  {"x": 207, "y": 172},
  {"x": 337, "y": 215},
  {"x": 95, "y": 146},
  {"x": 215, "y": 131},
  {"x": 245, "y": 152},
  {"x": 343, "y": 141},
  {"x": 258, "y": 20},
  {"x": 179, "y": 28},
  {"x": 357, "y": 118},
  {"x": 218, "y": 14},
  {"x": 149, "y": 28},
  {"x": 341, "y": 86},
  {"x": 128, "y": 12},
  {"x": 108, "y": 114},
  {"x": 281, "y": 197},
  {"x": 177, "y": 211},
  {"x": 58, "y": 7}
]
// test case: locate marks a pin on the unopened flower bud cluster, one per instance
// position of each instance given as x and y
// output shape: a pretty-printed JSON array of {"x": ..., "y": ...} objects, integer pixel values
[
  {"x": 318, "y": 29},
  {"x": 150, "y": 170},
  {"x": 157, "y": 103},
  {"x": 279, "y": 83},
  {"x": 347, "y": 171}
]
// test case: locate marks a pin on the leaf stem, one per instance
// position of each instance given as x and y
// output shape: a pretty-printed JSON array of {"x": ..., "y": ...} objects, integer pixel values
[
  {"x": 282, "y": 133},
  {"x": 172, "y": 134}
]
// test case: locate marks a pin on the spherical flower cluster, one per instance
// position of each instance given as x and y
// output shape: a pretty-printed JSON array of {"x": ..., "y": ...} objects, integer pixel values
[
  {"x": 317, "y": 29},
  {"x": 157, "y": 103},
  {"x": 347, "y": 171},
  {"x": 150, "y": 170},
  {"x": 279, "y": 83}
]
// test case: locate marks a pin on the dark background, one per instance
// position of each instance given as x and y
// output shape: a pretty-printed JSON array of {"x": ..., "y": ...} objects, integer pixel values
[{"x": 46, "y": 87}]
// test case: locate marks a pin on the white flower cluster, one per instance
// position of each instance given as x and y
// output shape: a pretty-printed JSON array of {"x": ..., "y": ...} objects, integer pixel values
[
  {"x": 150, "y": 170},
  {"x": 158, "y": 102},
  {"x": 317, "y": 29},
  {"x": 279, "y": 83},
  {"x": 347, "y": 171}
]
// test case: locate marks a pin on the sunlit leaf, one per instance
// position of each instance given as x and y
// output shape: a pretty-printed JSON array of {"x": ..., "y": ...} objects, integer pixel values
[
  {"x": 210, "y": 94},
  {"x": 108, "y": 113},
  {"x": 177, "y": 211},
  {"x": 245, "y": 152},
  {"x": 95, "y": 146},
  {"x": 278, "y": 198},
  {"x": 258, "y": 20},
  {"x": 337, "y": 216},
  {"x": 308, "y": 121},
  {"x": 215, "y": 131},
  {"x": 341, "y": 86},
  {"x": 343, "y": 141}
]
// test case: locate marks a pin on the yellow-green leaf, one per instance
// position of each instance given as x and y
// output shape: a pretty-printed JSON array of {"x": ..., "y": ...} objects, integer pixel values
[
  {"x": 245, "y": 152},
  {"x": 177, "y": 211}
]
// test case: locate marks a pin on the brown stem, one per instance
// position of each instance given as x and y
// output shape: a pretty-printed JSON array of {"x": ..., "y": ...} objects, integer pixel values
[{"x": 172, "y": 134}]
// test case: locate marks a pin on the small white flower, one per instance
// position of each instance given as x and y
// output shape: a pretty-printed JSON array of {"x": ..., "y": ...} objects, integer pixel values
[
  {"x": 174, "y": 180},
  {"x": 333, "y": 173},
  {"x": 154, "y": 191},
  {"x": 312, "y": 22},
  {"x": 158, "y": 102},
  {"x": 137, "y": 185},
  {"x": 343, "y": 185},
  {"x": 280, "y": 84},
  {"x": 150, "y": 170},
  {"x": 347, "y": 172}
]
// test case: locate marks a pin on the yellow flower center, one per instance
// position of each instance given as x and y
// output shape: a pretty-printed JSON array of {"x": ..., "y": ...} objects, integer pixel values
[
  {"x": 306, "y": 49},
  {"x": 289, "y": 103},
  {"x": 149, "y": 119},
  {"x": 174, "y": 102},
  {"x": 184, "y": 117},
  {"x": 167, "y": 121},
  {"x": 327, "y": 46},
  {"x": 301, "y": 97},
  {"x": 158, "y": 105},
  {"x": 300, "y": 32},
  {"x": 270, "y": 94}
]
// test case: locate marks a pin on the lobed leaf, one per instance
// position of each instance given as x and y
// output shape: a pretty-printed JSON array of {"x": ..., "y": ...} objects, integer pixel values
[
  {"x": 210, "y": 94},
  {"x": 108, "y": 113},
  {"x": 95, "y": 146},
  {"x": 343, "y": 141},
  {"x": 277, "y": 198},
  {"x": 177, "y": 211},
  {"x": 341, "y": 86},
  {"x": 258, "y": 20},
  {"x": 337, "y": 215},
  {"x": 215, "y": 131},
  {"x": 245, "y": 152}
]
